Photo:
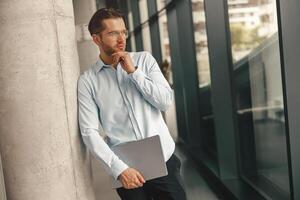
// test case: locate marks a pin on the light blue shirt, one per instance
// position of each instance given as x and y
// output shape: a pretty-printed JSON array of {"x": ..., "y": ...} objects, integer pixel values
[{"x": 127, "y": 106}]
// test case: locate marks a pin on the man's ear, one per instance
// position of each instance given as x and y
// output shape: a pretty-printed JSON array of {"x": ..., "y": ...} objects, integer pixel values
[{"x": 97, "y": 39}]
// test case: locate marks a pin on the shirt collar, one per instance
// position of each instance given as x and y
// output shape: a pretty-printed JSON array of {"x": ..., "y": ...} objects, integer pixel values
[{"x": 99, "y": 65}]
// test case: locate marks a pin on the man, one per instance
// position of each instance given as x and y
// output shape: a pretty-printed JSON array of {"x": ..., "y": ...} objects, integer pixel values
[{"x": 126, "y": 93}]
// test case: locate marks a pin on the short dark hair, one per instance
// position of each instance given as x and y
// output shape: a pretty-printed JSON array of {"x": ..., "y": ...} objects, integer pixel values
[{"x": 95, "y": 24}]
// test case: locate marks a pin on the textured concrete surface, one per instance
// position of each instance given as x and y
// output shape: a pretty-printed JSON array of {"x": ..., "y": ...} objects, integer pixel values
[
  {"x": 101, "y": 182},
  {"x": 88, "y": 52},
  {"x": 42, "y": 154}
]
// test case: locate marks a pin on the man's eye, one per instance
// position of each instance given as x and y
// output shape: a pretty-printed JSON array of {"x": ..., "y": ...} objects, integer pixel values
[{"x": 113, "y": 33}]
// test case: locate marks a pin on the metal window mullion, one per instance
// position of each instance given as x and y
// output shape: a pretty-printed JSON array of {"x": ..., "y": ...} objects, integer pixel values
[
  {"x": 189, "y": 69},
  {"x": 154, "y": 32},
  {"x": 223, "y": 101},
  {"x": 136, "y": 24},
  {"x": 180, "y": 99}
]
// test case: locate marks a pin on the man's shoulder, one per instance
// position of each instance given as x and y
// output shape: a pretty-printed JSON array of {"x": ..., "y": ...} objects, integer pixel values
[
  {"x": 87, "y": 75},
  {"x": 140, "y": 53},
  {"x": 88, "y": 72}
]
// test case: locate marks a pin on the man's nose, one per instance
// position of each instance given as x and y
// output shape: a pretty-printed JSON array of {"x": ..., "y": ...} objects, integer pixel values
[{"x": 121, "y": 38}]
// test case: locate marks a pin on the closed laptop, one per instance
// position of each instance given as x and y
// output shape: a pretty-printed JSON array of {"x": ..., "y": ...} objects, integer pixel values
[{"x": 146, "y": 156}]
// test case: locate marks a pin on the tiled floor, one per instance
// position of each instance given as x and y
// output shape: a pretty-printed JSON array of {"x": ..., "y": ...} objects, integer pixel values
[{"x": 196, "y": 187}]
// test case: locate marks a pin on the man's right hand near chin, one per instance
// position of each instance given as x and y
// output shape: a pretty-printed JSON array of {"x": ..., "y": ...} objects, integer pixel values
[{"x": 131, "y": 178}]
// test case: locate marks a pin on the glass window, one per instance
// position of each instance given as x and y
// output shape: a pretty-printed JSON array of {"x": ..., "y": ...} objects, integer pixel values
[
  {"x": 160, "y": 4},
  {"x": 201, "y": 42},
  {"x": 164, "y": 42},
  {"x": 251, "y": 22},
  {"x": 131, "y": 27},
  {"x": 255, "y": 50},
  {"x": 145, "y": 25}
]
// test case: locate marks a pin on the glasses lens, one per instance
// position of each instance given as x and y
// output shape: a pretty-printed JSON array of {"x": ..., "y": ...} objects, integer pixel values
[{"x": 126, "y": 34}]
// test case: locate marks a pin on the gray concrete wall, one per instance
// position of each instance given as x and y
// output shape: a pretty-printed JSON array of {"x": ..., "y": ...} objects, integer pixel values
[
  {"x": 43, "y": 156},
  {"x": 87, "y": 50}
]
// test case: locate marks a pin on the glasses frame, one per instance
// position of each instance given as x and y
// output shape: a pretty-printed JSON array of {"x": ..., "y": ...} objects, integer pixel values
[{"x": 116, "y": 34}]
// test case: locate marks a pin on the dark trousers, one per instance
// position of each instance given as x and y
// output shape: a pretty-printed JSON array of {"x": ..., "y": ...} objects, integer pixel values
[{"x": 164, "y": 188}]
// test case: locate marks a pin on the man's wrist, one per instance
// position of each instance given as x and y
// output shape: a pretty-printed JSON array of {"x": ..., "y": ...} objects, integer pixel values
[{"x": 132, "y": 70}]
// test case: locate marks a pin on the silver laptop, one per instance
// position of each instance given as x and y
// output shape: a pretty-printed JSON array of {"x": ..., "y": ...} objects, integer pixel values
[{"x": 144, "y": 155}]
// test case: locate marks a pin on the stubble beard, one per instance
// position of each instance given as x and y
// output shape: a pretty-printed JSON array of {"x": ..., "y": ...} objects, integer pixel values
[{"x": 109, "y": 50}]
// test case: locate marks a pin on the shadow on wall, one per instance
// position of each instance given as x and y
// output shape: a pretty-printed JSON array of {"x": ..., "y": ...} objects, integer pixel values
[{"x": 101, "y": 182}]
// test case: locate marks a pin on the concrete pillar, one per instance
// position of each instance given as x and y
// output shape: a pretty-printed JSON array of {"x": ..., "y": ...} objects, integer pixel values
[
  {"x": 42, "y": 153},
  {"x": 88, "y": 52}
]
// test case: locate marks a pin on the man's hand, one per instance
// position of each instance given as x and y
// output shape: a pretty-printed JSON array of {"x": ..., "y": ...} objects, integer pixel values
[
  {"x": 124, "y": 58},
  {"x": 131, "y": 178}
]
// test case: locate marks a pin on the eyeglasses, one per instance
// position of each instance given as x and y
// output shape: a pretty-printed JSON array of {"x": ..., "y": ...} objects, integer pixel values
[{"x": 115, "y": 34}]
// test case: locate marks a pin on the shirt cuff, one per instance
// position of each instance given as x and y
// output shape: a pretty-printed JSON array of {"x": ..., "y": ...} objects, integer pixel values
[
  {"x": 137, "y": 76},
  {"x": 117, "y": 167}
]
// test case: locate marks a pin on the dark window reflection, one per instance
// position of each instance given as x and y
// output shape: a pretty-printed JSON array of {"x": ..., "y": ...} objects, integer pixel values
[{"x": 255, "y": 50}]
